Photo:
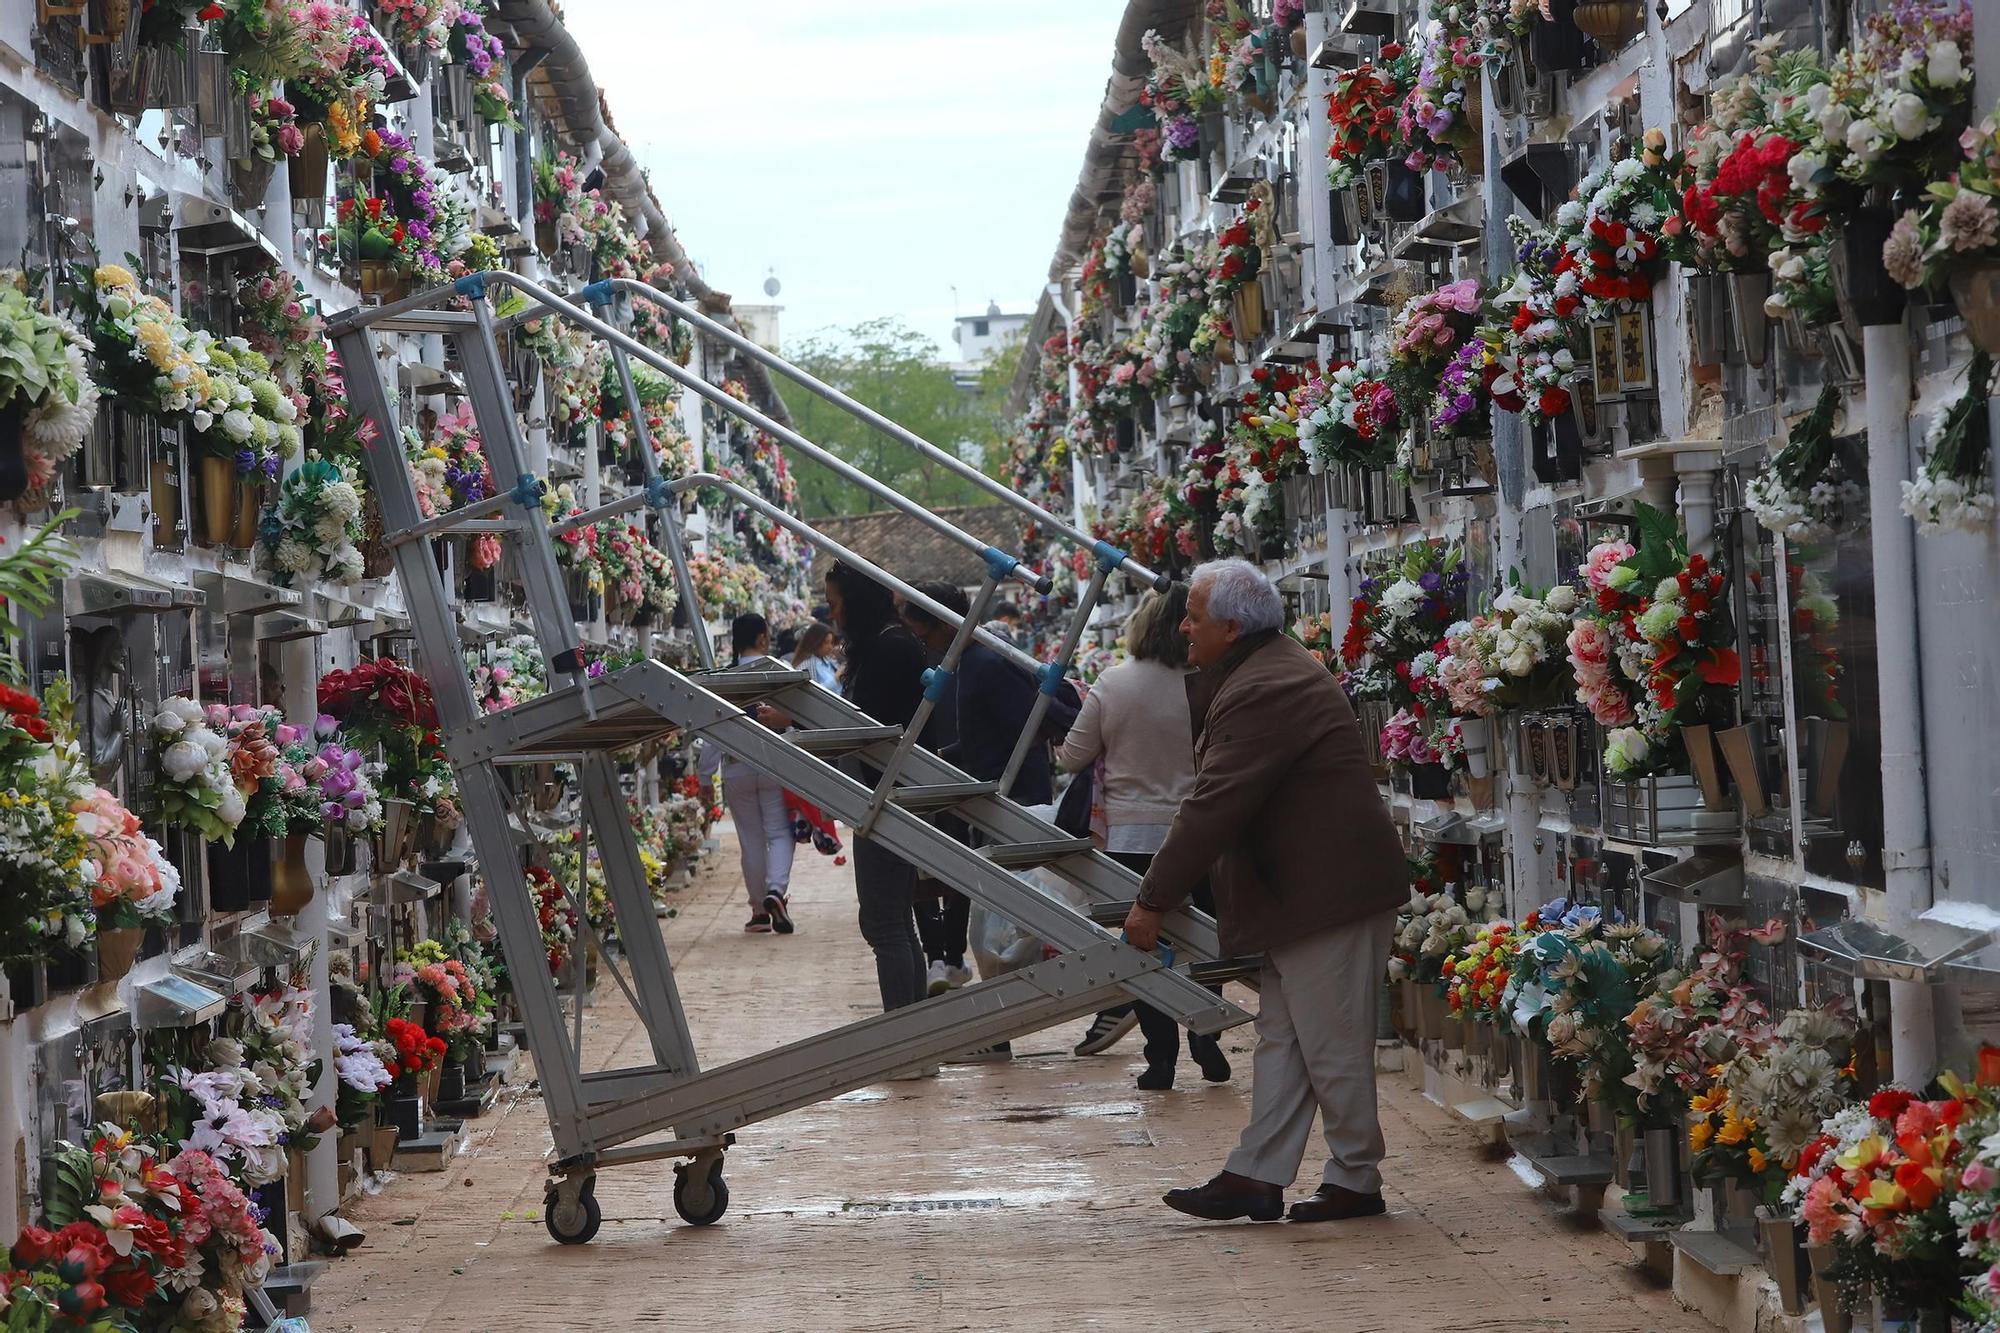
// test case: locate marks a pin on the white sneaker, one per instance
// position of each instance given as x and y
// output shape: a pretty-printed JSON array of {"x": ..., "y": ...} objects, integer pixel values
[
  {"x": 958, "y": 976},
  {"x": 940, "y": 978}
]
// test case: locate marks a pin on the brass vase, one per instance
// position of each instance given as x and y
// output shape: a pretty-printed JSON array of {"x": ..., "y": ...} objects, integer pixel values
[
  {"x": 1739, "y": 748},
  {"x": 291, "y": 883},
  {"x": 1975, "y": 289},
  {"x": 249, "y": 510},
  {"x": 1700, "y": 743},
  {"x": 1611, "y": 23},
  {"x": 117, "y": 947},
  {"x": 307, "y": 170},
  {"x": 218, "y": 500}
]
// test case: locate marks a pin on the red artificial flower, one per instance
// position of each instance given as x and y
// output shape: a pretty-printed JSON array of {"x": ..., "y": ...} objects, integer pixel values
[
  {"x": 210, "y": 13},
  {"x": 1890, "y": 1103},
  {"x": 1554, "y": 402},
  {"x": 1688, "y": 628},
  {"x": 1815, "y": 1150},
  {"x": 130, "y": 1287},
  {"x": 36, "y": 1246}
]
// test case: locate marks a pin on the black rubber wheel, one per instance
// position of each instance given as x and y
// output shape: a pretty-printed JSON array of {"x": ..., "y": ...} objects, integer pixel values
[
  {"x": 700, "y": 1203},
  {"x": 573, "y": 1226}
]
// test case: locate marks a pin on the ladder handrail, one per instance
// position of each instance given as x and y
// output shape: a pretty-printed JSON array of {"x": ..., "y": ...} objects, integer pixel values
[
  {"x": 894, "y": 430},
  {"x": 861, "y": 564},
  {"x": 475, "y": 285}
]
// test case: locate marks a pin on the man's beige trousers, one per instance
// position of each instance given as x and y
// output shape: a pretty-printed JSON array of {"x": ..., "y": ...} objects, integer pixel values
[{"x": 1316, "y": 1052}]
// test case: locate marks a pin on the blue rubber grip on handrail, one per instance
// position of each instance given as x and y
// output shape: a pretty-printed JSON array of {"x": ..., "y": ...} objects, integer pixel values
[
  {"x": 528, "y": 490},
  {"x": 597, "y": 293},
  {"x": 936, "y": 681},
  {"x": 1109, "y": 557},
  {"x": 472, "y": 285},
  {"x": 1052, "y": 674},
  {"x": 1165, "y": 951},
  {"x": 659, "y": 491},
  {"x": 998, "y": 563}
]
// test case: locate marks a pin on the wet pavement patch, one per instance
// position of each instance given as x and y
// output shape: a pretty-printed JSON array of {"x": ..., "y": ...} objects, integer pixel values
[
  {"x": 1034, "y": 1115},
  {"x": 918, "y": 1205}
]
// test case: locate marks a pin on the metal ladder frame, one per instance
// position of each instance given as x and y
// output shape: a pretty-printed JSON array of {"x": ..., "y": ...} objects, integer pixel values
[{"x": 597, "y": 1118}]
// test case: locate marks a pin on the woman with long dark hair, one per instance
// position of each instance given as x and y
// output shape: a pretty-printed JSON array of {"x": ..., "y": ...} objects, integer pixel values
[{"x": 884, "y": 679}]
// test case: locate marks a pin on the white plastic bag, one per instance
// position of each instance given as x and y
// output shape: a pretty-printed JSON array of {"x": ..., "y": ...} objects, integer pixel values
[{"x": 997, "y": 944}]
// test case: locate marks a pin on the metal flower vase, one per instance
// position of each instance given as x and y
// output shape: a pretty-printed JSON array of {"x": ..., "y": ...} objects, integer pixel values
[
  {"x": 117, "y": 948},
  {"x": 1747, "y": 294},
  {"x": 1663, "y": 1167},
  {"x": 1784, "y": 1261},
  {"x": 1834, "y": 1316},
  {"x": 291, "y": 882},
  {"x": 1975, "y": 289}
]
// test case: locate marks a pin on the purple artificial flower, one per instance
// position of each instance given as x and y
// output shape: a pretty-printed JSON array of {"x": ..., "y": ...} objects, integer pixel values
[
  {"x": 246, "y": 460},
  {"x": 1182, "y": 133}
]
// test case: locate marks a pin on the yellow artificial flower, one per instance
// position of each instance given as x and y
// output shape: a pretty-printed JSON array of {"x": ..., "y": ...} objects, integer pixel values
[
  {"x": 1758, "y": 1161},
  {"x": 1699, "y": 1133},
  {"x": 1735, "y": 1128},
  {"x": 113, "y": 275},
  {"x": 1707, "y": 1102}
]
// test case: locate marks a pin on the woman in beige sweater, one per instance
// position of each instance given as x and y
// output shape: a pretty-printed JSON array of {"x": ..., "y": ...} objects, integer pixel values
[{"x": 1136, "y": 719}]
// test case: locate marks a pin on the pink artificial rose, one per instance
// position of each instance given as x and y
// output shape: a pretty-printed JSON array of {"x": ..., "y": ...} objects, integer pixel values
[
  {"x": 1603, "y": 558},
  {"x": 1589, "y": 645}
]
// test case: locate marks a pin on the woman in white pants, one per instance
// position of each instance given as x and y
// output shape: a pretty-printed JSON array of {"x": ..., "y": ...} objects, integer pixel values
[{"x": 757, "y": 803}]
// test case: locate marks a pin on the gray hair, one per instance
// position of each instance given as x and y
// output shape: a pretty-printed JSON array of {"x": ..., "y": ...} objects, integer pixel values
[{"x": 1238, "y": 591}]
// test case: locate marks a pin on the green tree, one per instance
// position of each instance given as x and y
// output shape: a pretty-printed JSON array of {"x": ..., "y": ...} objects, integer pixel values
[{"x": 894, "y": 369}]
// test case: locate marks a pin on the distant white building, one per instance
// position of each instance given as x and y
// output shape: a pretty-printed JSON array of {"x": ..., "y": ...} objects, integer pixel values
[
  {"x": 760, "y": 323},
  {"x": 980, "y": 338}
]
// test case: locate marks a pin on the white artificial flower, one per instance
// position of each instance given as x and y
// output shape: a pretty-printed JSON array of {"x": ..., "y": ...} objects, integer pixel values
[
  {"x": 1946, "y": 66},
  {"x": 230, "y": 808},
  {"x": 183, "y": 760},
  {"x": 1909, "y": 117}
]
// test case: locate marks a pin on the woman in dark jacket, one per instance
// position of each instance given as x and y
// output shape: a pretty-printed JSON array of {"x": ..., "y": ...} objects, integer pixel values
[{"x": 884, "y": 679}]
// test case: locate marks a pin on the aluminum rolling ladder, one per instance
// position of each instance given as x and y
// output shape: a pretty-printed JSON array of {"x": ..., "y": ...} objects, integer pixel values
[{"x": 672, "y": 1107}]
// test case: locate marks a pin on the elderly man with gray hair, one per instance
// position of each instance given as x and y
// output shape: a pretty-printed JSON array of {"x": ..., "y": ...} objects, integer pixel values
[{"x": 1308, "y": 870}]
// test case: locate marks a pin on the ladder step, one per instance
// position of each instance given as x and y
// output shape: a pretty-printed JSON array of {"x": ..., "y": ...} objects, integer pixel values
[
  {"x": 1027, "y": 855},
  {"x": 942, "y": 795},
  {"x": 739, "y": 686},
  {"x": 842, "y": 740},
  {"x": 1218, "y": 970},
  {"x": 1110, "y": 913}
]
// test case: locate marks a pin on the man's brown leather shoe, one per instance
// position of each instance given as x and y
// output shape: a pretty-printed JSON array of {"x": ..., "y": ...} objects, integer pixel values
[
  {"x": 1333, "y": 1203},
  {"x": 1230, "y": 1196}
]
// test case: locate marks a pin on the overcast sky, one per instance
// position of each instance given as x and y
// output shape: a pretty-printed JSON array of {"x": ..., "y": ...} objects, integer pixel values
[{"x": 876, "y": 154}]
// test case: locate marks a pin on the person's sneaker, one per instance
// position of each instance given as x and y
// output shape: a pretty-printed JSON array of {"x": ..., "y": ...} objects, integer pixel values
[
  {"x": 781, "y": 913},
  {"x": 1107, "y": 1030},
  {"x": 998, "y": 1053},
  {"x": 757, "y": 925},
  {"x": 958, "y": 976},
  {"x": 1156, "y": 1079},
  {"x": 940, "y": 980}
]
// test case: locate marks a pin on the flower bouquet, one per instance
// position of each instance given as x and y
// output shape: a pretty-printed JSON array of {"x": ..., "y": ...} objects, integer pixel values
[
  {"x": 1803, "y": 492},
  {"x": 198, "y": 785},
  {"x": 363, "y": 1075},
  {"x": 1179, "y": 93},
  {"x": 42, "y": 848},
  {"x": 1346, "y": 418},
  {"x": 1954, "y": 492},
  {"x": 484, "y": 57},
  {"x": 339, "y": 782},
  {"x": 1694, "y": 1022},
  {"x": 48, "y": 400},
  {"x": 1440, "y": 120},
  {"x": 225, "y": 1229},
  {"x": 1652, "y": 646},
  {"x": 1427, "y": 332},
  {"x": 1573, "y": 986},
  {"x": 1361, "y": 114},
  {"x": 1511, "y": 658},
  {"x": 555, "y": 916},
  {"x": 314, "y": 528},
  {"x": 1536, "y": 344},
  {"x": 417, "y": 1052},
  {"x": 135, "y": 885},
  {"x": 1476, "y": 975},
  {"x": 380, "y": 703},
  {"x": 1878, "y": 1185}
]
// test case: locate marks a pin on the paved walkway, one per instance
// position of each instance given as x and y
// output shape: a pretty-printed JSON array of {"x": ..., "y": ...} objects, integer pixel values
[{"x": 1021, "y": 1196}]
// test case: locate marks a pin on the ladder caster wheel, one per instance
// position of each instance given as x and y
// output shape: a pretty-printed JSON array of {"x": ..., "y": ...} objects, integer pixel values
[
  {"x": 577, "y": 1223},
  {"x": 700, "y": 1197}
]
